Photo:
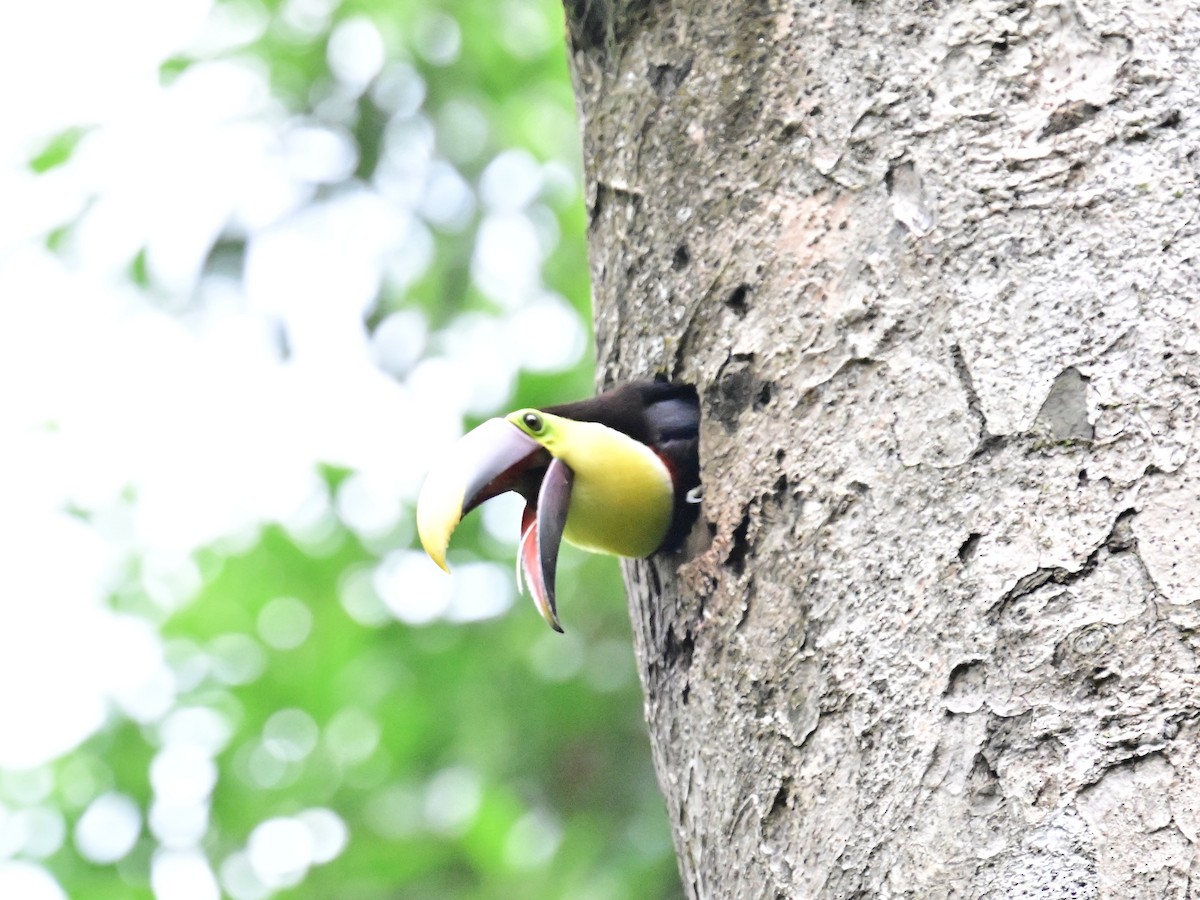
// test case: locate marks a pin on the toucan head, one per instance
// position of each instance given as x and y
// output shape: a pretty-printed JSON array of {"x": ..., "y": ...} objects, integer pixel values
[
  {"x": 631, "y": 450},
  {"x": 543, "y": 427}
]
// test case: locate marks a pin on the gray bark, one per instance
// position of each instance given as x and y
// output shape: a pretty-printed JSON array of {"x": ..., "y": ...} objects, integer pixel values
[{"x": 933, "y": 267}]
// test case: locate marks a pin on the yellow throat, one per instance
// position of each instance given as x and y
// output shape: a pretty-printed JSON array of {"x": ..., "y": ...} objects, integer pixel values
[{"x": 622, "y": 498}]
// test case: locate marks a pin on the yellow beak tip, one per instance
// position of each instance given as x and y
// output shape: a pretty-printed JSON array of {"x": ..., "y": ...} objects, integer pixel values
[
  {"x": 436, "y": 549},
  {"x": 480, "y": 455},
  {"x": 438, "y": 514}
]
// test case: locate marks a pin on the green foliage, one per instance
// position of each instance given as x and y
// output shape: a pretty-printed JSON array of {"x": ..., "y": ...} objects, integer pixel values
[
  {"x": 57, "y": 150},
  {"x": 489, "y": 759}
]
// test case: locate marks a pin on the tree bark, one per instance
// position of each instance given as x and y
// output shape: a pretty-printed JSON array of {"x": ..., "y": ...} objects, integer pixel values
[{"x": 933, "y": 268}]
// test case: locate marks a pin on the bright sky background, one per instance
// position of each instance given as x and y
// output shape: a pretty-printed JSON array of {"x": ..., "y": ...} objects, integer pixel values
[{"x": 170, "y": 418}]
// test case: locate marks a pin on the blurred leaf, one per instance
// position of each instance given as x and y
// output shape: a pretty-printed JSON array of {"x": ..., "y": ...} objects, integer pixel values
[{"x": 57, "y": 150}]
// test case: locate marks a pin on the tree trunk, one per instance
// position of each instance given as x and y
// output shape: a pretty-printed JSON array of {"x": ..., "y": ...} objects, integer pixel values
[{"x": 933, "y": 268}]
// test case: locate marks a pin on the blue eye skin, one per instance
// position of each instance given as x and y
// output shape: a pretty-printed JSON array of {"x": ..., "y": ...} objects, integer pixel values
[{"x": 533, "y": 422}]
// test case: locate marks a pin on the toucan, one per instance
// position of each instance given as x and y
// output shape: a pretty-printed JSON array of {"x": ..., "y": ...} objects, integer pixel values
[{"x": 618, "y": 473}]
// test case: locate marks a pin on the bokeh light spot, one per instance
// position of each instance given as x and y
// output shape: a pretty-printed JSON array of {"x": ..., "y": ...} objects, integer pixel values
[
  {"x": 81, "y": 778},
  {"x": 351, "y": 736},
  {"x": 452, "y": 800},
  {"x": 368, "y": 508},
  {"x": 182, "y": 773},
  {"x": 290, "y": 735},
  {"x": 44, "y": 830},
  {"x": 179, "y": 825},
  {"x": 507, "y": 258},
  {"x": 319, "y": 155},
  {"x": 557, "y": 657},
  {"x": 281, "y": 851},
  {"x": 524, "y": 29},
  {"x": 547, "y": 335},
  {"x": 482, "y": 590},
  {"x": 199, "y": 726},
  {"x": 27, "y": 786},
  {"x": 394, "y": 812},
  {"x": 610, "y": 665},
  {"x": 108, "y": 828},
  {"x": 533, "y": 840},
  {"x": 399, "y": 89},
  {"x": 511, "y": 181},
  {"x": 356, "y": 52},
  {"x": 463, "y": 130},
  {"x": 182, "y": 875},
  {"x": 412, "y": 587},
  {"x": 284, "y": 623},
  {"x": 399, "y": 340},
  {"x": 240, "y": 880},
  {"x": 329, "y": 833},
  {"x": 307, "y": 18},
  {"x": 260, "y": 768},
  {"x": 237, "y": 659},
  {"x": 438, "y": 38},
  {"x": 28, "y": 881},
  {"x": 360, "y": 599}
]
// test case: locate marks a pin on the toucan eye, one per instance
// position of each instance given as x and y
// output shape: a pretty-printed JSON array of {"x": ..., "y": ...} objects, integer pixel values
[{"x": 533, "y": 422}]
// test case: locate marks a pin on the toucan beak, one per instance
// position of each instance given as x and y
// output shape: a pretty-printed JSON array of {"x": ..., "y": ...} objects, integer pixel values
[
  {"x": 541, "y": 536},
  {"x": 486, "y": 461}
]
